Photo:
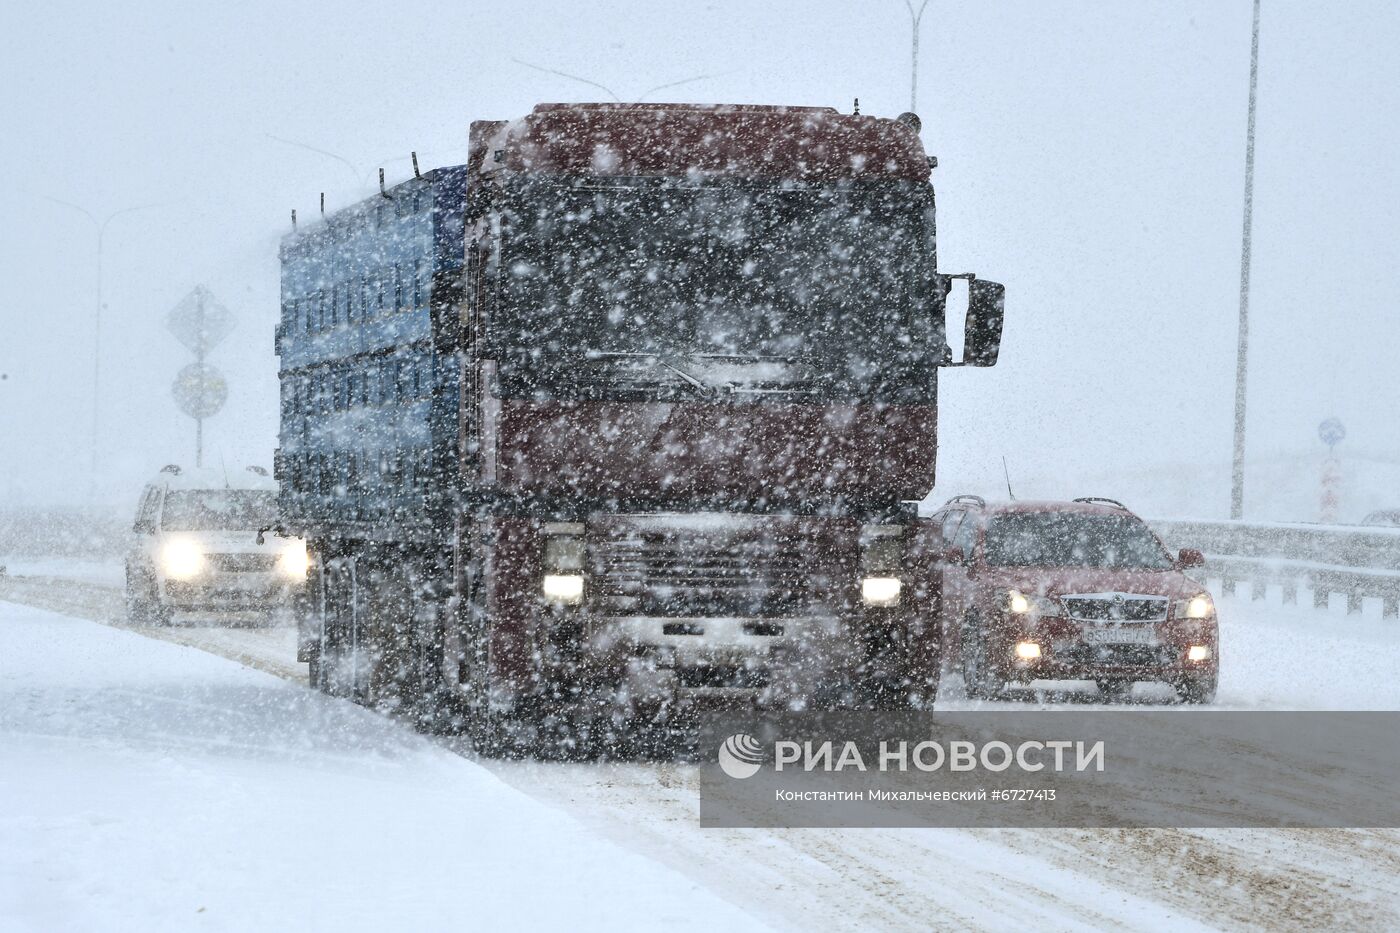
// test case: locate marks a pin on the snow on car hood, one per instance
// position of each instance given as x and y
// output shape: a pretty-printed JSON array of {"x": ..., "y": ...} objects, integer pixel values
[{"x": 1062, "y": 581}]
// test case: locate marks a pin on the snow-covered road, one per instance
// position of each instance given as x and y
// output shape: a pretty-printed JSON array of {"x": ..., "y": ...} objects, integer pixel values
[{"x": 277, "y": 806}]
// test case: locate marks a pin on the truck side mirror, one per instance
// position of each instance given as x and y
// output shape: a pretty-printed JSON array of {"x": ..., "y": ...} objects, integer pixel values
[
  {"x": 982, "y": 328},
  {"x": 955, "y": 555},
  {"x": 986, "y": 303}
]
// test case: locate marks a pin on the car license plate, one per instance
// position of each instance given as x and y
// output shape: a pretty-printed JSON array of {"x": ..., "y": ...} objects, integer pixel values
[{"x": 1119, "y": 636}]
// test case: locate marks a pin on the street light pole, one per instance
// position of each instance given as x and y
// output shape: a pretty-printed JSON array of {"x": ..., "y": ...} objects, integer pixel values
[
  {"x": 101, "y": 227},
  {"x": 1242, "y": 347},
  {"x": 914, "y": 20}
]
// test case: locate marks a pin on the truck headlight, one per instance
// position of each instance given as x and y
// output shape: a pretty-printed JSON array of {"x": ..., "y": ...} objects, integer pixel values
[
  {"x": 564, "y": 588},
  {"x": 181, "y": 559},
  {"x": 564, "y": 554},
  {"x": 1199, "y": 606},
  {"x": 294, "y": 561},
  {"x": 881, "y": 558},
  {"x": 880, "y": 591}
]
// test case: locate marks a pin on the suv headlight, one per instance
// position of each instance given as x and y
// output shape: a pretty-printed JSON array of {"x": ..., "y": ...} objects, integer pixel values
[
  {"x": 181, "y": 559},
  {"x": 1200, "y": 606},
  {"x": 1018, "y": 603}
]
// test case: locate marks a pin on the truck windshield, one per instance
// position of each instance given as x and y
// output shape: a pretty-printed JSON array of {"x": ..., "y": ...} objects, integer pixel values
[
  {"x": 1064, "y": 539},
  {"x": 748, "y": 288},
  {"x": 218, "y": 510}
]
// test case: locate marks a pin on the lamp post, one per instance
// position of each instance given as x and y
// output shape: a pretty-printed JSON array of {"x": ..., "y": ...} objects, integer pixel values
[
  {"x": 1242, "y": 346},
  {"x": 101, "y": 227},
  {"x": 914, "y": 19}
]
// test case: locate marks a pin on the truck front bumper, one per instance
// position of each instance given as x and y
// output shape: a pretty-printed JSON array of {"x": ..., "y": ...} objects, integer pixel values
[{"x": 649, "y": 661}]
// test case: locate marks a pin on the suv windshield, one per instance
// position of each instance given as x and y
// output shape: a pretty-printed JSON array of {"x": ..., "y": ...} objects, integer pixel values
[
  {"x": 619, "y": 284},
  {"x": 219, "y": 510},
  {"x": 1068, "y": 539}
]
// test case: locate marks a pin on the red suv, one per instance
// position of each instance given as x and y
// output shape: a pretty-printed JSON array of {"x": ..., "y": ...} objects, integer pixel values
[{"x": 1078, "y": 590}]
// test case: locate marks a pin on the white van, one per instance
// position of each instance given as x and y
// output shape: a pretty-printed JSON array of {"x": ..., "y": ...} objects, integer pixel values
[{"x": 195, "y": 546}]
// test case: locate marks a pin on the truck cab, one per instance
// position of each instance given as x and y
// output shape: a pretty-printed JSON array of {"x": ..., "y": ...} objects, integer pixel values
[{"x": 681, "y": 397}]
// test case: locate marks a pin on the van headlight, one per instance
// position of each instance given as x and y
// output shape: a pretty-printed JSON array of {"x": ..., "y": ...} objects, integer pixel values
[
  {"x": 881, "y": 591},
  {"x": 294, "y": 561},
  {"x": 181, "y": 559}
]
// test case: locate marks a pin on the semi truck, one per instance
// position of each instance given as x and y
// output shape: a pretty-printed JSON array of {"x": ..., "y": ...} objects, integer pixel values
[{"x": 623, "y": 418}]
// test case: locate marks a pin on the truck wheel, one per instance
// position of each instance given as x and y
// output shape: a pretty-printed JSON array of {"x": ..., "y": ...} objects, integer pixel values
[
  {"x": 1198, "y": 690},
  {"x": 980, "y": 681}
]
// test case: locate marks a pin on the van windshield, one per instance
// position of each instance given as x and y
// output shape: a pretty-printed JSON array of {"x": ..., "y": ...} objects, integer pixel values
[
  {"x": 1066, "y": 539},
  {"x": 219, "y": 510}
]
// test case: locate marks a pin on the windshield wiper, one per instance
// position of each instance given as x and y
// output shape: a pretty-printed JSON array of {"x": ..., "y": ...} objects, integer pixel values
[
  {"x": 702, "y": 388},
  {"x": 706, "y": 390}
]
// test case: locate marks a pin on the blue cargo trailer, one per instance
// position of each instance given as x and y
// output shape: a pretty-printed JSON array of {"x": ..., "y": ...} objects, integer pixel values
[{"x": 369, "y": 400}]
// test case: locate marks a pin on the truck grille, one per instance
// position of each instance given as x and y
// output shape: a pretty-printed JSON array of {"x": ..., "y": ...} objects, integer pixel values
[
  {"x": 730, "y": 677},
  {"x": 680, "y": 573},
  {"x": 242, "y": 563},
  {"x": 1116, "y": 607}
]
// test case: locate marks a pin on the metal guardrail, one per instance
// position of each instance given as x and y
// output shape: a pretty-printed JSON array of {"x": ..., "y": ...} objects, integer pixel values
[{"x": 1356, "y": 562}]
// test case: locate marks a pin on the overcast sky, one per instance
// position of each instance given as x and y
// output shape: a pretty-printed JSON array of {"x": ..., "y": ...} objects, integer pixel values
[{"x": 1091, "y": 157}]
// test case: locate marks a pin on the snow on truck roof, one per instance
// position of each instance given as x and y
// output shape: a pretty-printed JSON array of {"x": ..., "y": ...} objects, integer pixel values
[
  {"x": 744, "y": 140},
  {"x": 191, "y": 478}
]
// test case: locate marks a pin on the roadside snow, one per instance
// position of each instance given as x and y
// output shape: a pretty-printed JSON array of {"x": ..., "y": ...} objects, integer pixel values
[
  {"x": 1297, "y": 657},
  {"x": 105, "y": 572},
  {"x": 149, "y": 786}
]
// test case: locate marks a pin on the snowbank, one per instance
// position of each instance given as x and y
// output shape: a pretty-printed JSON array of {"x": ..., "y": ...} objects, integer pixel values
[{"x": 150, "y": 786}]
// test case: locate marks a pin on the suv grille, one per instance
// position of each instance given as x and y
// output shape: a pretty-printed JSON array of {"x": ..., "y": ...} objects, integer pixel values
[
  {"x": 1126, "y": 655},
  {"x": 1116, "y": 607}
]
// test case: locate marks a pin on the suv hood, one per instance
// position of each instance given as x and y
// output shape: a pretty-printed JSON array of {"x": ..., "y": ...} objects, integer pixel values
[{"x": 1063, "y": 581}]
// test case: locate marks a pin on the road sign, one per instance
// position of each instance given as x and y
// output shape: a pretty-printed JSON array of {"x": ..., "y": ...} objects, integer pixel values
[
  {"x": 1332, "y": 431},
  {"x": 200, "y": 390},
  {"x": 199, "y": 321}
]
